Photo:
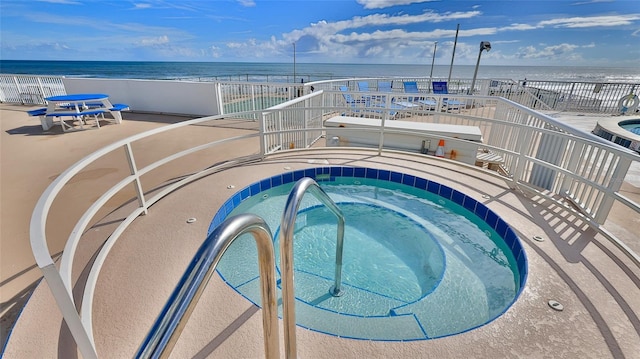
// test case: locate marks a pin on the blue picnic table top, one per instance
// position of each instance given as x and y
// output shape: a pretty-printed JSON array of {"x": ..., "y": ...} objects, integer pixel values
[{"x": 78, "y": 97}]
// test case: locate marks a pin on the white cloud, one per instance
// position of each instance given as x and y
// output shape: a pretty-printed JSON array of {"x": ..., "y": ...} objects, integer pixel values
[
  {"x": 154, "y": 41},
  {"x": 591, "y": 2},
  {"x": 591, "y": 21},
  {"x": 247, "y": 3},
  {"x": 57, "y": 46},
  {"x": 563, "y": 50},
  {"x": 518, "y": 27},
  {"x": 215, "y": 52},
  {"x": 323, "y": 28},
  {"x": 235, "y": 45},
  {"x": 142, "y": 6},
  {"x": 177, "y": 52},
  {"x": 398, "y": 34},
  {"x": 505, "y": 41},
  {"x": 63, "y": 2},
  {"x": 381, "y": 4},
  {"x": 381, "y": 36},
  {"x": 373, "y": 51}
]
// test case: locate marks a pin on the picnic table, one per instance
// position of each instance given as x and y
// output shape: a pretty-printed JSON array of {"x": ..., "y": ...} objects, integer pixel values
[{"x": 77, "y": 107}]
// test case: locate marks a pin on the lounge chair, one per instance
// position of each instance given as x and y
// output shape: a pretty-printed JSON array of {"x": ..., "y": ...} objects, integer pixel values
[
  {"x": 384, "y": 86},
  {"x": 363, "y": 86},
  {"x": 440, "y": 87},
  {"x": 349, "y": 99},
  {"x": 356, "y": 105},
  {"x": 364, "y": 104},
  {"x": 411, "y": 87}
]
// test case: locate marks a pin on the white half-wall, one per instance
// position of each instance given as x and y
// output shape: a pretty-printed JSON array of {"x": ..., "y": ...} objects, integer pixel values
[
  {"x": 340, "y": 132},
  {"x": 157, "y": 96}
]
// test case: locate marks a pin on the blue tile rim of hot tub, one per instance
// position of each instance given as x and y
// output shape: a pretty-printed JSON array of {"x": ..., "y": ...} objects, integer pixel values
[{"x": 320, "y": 174}]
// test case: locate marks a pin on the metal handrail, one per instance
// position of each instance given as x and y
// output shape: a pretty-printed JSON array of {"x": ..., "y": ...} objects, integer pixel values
[
  {"x": 286, "y": 254},
  {"x": 175, "y": 314}
]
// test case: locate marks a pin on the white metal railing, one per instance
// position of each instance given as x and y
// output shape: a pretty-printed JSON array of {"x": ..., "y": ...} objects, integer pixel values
[
  {"x": 61, "y": 280},
  {"x": 248, "y": 96},
  {"x": 541, "y": 154},
  {"x": 586, "y": 97},
  {"x": 292, "y": 125},
  {"x": 589, "y": 97},
  {"x": 455, "y": 86},
  {"x": 243, "y": 96},
  {"x": 29, "y": 89}
]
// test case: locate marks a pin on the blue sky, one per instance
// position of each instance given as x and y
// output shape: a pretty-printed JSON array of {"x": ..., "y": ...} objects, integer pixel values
[{"x": 552, "y": 32}]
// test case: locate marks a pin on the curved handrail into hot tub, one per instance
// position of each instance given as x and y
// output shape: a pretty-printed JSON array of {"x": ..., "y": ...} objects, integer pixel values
[
  {"x": 584, "y": 169},
  {"x": 288, "y": 222},
  {"x": 175, "y": 315}
]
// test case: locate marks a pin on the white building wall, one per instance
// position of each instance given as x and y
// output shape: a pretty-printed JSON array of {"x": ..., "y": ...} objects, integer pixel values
[{"x": 158, "y": 96}]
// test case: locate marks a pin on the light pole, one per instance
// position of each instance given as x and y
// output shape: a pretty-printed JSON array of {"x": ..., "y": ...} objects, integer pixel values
[
  {"x": 294, "y": 62},
  {"x": 484, "y": 45},
  {"x": 453, "y": 54},
  {"x": 433, "y": 59}
]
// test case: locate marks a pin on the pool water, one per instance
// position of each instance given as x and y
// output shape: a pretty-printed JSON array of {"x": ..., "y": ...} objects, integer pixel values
[
  {"x": 387, "y": 256},
  {"x": 632, "y": 126},
  {"x": 415, "y": 265},
  {"x": 259, "y": 103}
]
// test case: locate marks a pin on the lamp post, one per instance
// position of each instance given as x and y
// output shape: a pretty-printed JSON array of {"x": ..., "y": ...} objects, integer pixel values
[
  {"x": 453, "y": 54},
  {"x": 294, "y": 62},
  {"x": 484, "y": 45},
  {"x": 433, "y": 59}
]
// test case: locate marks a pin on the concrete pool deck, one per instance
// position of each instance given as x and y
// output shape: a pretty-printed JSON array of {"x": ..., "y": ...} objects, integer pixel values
[{"x": 597, "y": 284}]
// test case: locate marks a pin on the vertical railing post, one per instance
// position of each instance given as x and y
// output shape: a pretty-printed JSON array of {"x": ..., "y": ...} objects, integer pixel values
[
  {"x": 280, "y": 129},
  {"x": 221, "y": 99},
  {"x": 524, "y": 137},
  {"x": 70, "y": 314},
  {"x": 263, "y": 136},
  {"x": 613, "y": 186},
  {"x": 572, "y": 165},
  {"x": 253, "y": 98},
  {"x": 568, "y": 100},
  {"x": 41, "y": 88},
  {"x": 15, "y": 80},
  {"x": 382, "y": 123},
  {"x": 134, "y": 172},
  {"x": 307, "y": 119}
]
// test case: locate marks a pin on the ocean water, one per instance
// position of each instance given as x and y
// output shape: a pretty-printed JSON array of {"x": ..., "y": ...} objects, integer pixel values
[{"x": 279, "y": 72}]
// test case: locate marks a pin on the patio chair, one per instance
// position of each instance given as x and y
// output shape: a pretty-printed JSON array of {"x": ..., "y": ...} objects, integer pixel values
[
  {"x": 440, "y": 87},
  {"x": 350, "y": 100},
  {"x": 411, "y": 87},
  {"x": 364, "y": 104},
  {"x": 384, "y": 86},
  {"x": 356, "y": 105},
  {"x": 363, "y": 86}
]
